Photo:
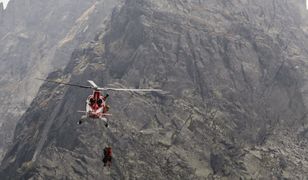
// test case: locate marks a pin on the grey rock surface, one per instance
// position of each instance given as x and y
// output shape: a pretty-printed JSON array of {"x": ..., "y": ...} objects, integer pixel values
[{"x": 236, "y": 73}]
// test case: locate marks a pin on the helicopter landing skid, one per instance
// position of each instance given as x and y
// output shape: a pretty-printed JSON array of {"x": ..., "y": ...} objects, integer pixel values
[
  {"x": 105, "y": 121},
  {"x": 82, "y": 119}
]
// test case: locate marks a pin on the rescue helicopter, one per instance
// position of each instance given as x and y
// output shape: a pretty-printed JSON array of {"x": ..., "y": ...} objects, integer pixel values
[{"x": 96, "y": 107}]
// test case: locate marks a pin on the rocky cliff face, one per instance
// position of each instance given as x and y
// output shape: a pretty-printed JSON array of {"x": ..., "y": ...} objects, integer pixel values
[
  {"x": 36, "y": 38},
  {"x": 236, "y": 108}
]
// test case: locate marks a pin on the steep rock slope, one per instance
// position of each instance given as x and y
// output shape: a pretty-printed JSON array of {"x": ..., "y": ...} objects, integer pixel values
[
  {"x": 37, "y": 37},
  {"x": 236, "y": 108}
]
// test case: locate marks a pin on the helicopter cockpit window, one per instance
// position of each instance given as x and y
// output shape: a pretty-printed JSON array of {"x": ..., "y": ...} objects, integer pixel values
[
  {"x": 92, "y": 101},
  {"x": 99, "y": 102}
]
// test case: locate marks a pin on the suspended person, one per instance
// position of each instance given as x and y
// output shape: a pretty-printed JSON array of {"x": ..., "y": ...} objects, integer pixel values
[{"x": 107, "y": 156}]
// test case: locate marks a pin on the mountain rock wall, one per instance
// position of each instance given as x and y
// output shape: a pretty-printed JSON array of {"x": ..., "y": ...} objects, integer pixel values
[{"x": 235, "y": 73}]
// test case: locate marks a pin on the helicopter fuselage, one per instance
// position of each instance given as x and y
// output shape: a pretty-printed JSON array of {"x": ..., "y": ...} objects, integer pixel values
[{"x": 96, "y": 105}]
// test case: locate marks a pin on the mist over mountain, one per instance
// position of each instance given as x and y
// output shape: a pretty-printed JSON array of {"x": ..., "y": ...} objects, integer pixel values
[
  {"x": 236, "y": 73},
  {"x": 36, "y": 38}
]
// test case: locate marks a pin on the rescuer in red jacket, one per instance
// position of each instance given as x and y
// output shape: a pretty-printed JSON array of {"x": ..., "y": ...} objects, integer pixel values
[{"x": 107, "y": 156}]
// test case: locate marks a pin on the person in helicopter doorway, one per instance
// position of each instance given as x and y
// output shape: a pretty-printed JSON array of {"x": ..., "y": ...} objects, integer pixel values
[
  {"x": 107, "y": 156},
  {"x": 106, "y": 107}
]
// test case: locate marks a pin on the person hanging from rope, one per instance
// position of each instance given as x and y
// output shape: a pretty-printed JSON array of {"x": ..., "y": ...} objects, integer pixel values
[{"x": 107, "y": 156}]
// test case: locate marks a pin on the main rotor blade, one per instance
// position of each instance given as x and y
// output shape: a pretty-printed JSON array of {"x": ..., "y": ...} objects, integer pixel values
[
  {"x": 93, "y": 83},
  {"x": 131, "y": 90},
  {"x": 68, "y": 84}
]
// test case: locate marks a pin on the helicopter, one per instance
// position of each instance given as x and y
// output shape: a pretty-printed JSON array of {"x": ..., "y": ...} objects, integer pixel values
[{"x": 96, "y": 107}]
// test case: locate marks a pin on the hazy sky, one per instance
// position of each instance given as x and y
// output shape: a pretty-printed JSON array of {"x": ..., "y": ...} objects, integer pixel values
[{"x": 4, "y": 2}]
